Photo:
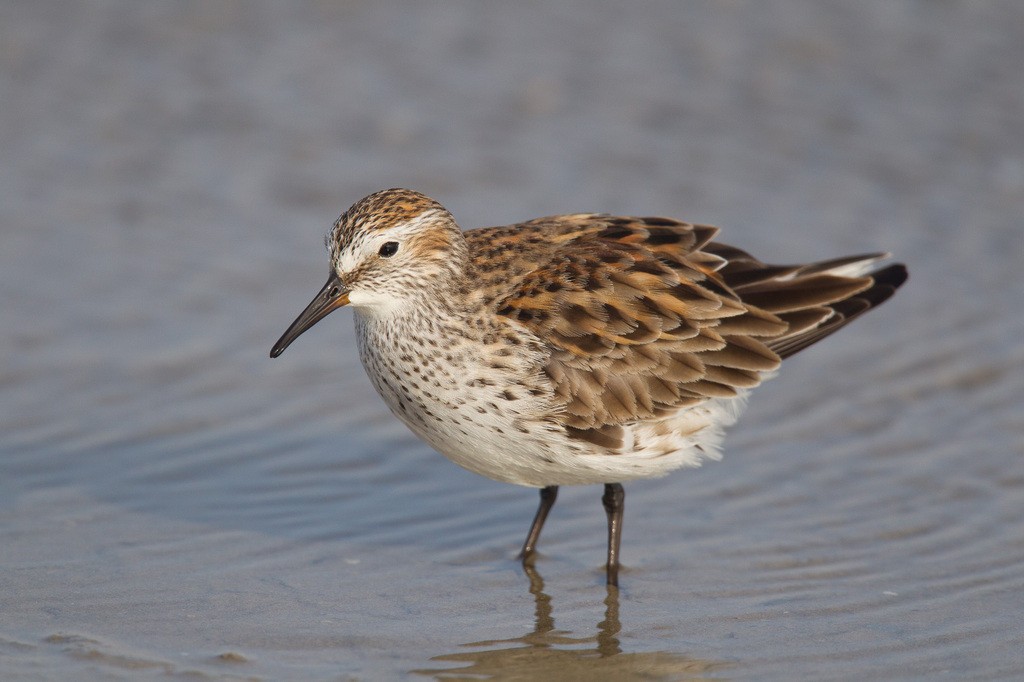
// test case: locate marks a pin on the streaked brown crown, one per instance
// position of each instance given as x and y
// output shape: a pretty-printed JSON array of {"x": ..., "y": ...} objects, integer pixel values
[{"x": 384, "y": 209}]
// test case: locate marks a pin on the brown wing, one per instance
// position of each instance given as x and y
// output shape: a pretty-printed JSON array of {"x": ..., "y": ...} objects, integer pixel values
[{"x": 638, "y": 322}]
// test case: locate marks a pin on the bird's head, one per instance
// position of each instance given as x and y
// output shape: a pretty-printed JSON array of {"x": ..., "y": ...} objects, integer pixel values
[{"x": 388, "y": 251}]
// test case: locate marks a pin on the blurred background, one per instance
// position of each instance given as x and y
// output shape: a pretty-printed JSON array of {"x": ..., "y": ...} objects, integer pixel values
[{"x": 173, "y": 503}]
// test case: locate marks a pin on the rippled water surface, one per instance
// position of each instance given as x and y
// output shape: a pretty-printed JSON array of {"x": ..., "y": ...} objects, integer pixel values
[{"x": 175, "y": 504}]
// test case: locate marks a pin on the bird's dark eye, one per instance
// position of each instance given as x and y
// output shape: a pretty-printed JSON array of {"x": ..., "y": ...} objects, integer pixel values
[{"x": 388, "y": 249}]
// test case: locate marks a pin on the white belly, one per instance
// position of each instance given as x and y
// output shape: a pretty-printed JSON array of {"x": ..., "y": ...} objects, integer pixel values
[{"x": 485, "y": 419}]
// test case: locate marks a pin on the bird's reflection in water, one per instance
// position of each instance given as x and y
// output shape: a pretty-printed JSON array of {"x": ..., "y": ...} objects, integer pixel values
[{"x": 548, "y": 653}]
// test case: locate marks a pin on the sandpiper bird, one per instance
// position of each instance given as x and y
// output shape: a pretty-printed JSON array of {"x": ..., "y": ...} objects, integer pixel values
[{"x": 573, "y": 349}]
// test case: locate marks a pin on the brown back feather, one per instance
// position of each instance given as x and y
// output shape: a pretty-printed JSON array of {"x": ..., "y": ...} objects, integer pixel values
[{"x": 643, "y": 317}]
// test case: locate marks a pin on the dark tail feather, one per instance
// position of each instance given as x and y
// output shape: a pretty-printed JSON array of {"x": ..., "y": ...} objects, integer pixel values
[{"x": 883, "y": 284}]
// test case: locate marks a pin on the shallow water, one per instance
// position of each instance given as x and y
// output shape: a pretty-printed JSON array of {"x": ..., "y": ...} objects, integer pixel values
[{"x": 175, "y": 504}]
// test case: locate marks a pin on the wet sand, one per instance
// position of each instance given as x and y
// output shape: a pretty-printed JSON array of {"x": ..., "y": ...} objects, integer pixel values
[{"x": 175, "y": 504}]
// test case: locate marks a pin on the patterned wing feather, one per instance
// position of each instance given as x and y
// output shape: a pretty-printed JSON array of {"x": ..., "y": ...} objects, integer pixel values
[
  {"x": 643, "y": 317},
  {"x": 637, "y": 320}
]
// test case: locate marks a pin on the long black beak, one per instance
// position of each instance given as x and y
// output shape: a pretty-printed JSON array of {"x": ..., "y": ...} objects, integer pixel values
[{"x": 332, "y": 296}]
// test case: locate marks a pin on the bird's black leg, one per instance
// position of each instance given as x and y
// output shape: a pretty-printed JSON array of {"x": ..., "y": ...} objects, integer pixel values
[
  {"x": 614, "y": 499},
  {"x": 547, "y": 501}
]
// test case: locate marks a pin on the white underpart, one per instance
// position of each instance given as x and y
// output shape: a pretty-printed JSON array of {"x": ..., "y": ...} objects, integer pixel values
[{"x": 517, "y": 441}]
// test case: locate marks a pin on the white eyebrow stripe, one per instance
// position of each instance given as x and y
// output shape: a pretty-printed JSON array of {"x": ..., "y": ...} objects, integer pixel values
[{"x": 348, "y": 258}]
